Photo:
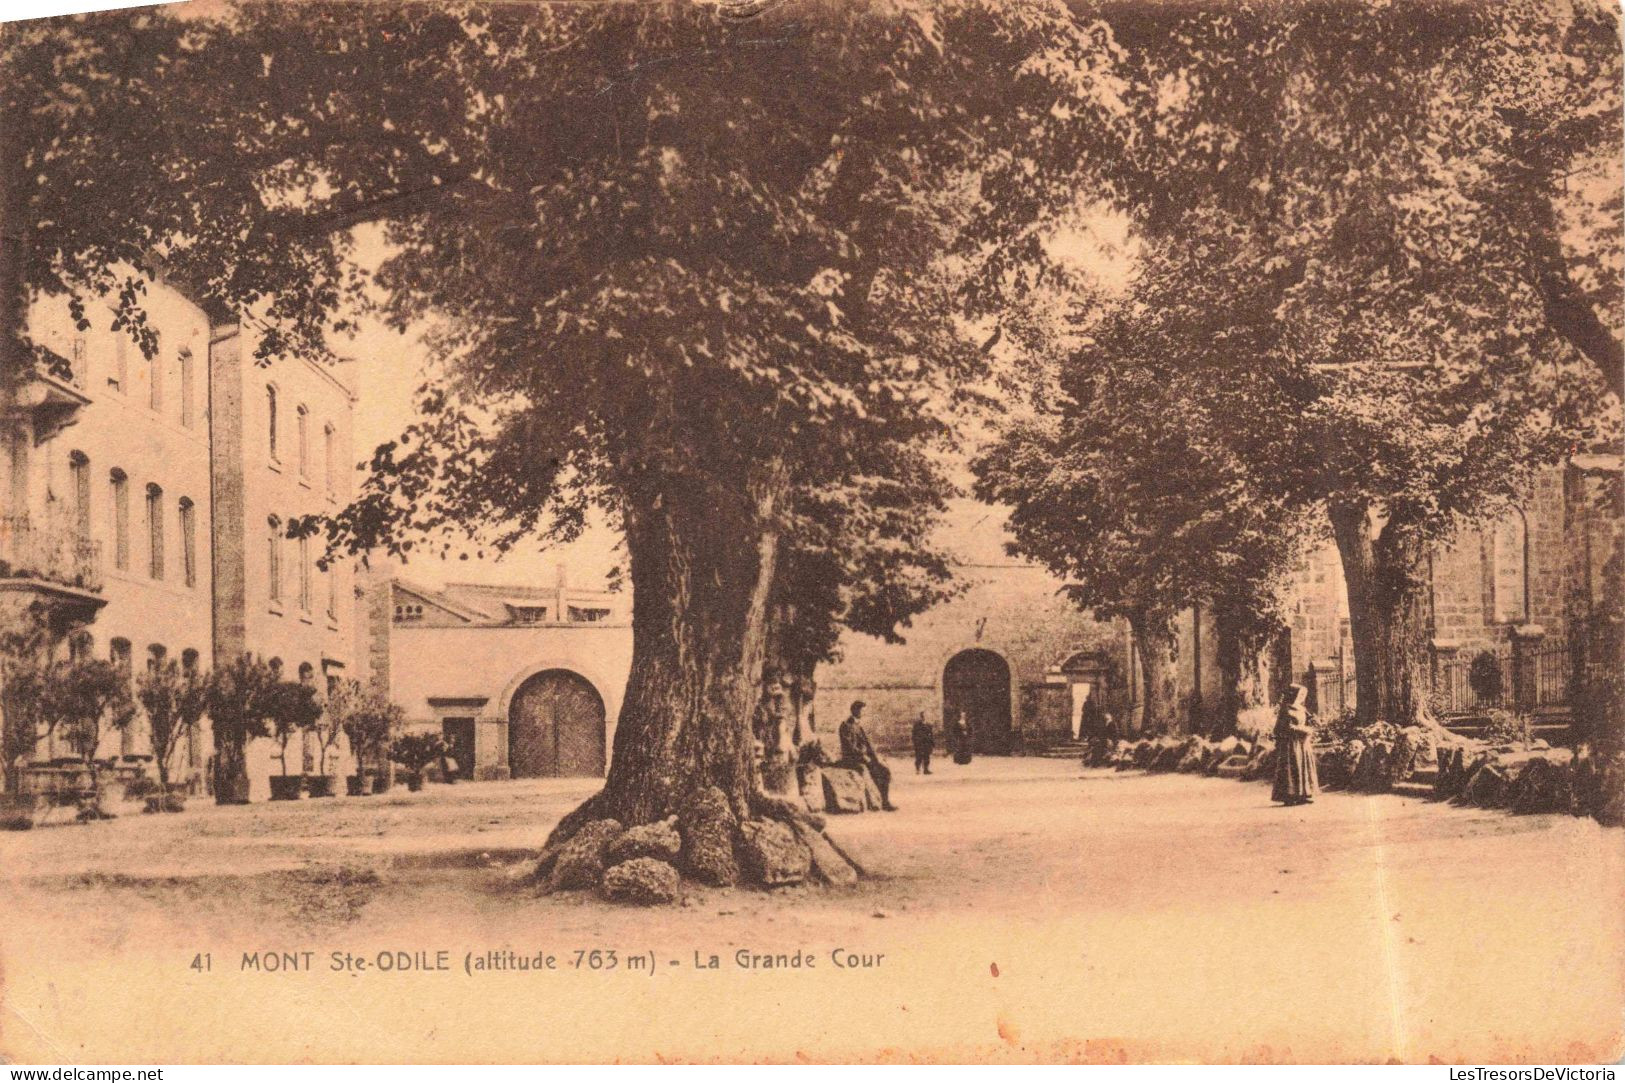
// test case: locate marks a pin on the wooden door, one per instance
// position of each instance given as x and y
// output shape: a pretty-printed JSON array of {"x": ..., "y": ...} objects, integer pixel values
[{"x": 556, "y": 728}]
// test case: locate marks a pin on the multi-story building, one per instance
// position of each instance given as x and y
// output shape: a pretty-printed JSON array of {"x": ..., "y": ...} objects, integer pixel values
[
  {"x": 148, "y": 504},
  {"x": 107, "y": 524},
  {"x": 281, "y": 452}
]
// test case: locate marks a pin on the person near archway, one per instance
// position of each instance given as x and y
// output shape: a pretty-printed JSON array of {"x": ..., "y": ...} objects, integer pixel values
[
  {"x": 1295, "y": 777},
  {"x": 925, "y": 742},
  {"x": 858, "y": 754},
  {"x": 960, "y": 739}
]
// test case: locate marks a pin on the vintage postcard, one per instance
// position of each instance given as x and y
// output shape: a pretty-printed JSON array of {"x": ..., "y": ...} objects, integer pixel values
[{"x": 813, "y": 530}]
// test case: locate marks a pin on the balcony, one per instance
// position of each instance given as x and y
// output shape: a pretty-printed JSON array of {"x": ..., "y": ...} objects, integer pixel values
[
  {"x": 31, "y": 554},
  {"x": 53, "y": 392}
]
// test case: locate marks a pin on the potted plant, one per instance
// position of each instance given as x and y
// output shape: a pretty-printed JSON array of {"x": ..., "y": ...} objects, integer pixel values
[
  {"x": 415, "y": 751},
  {"x": 327, "y": 729},
  {"x": 174, "y": 701},
  {"x": 237, "y": 698},
  {"x": 26, "y": 713},
  {"x": 367, "y": 720},
  {"x": 94, "y": 697},
  {"x": 291, "y": 708}
]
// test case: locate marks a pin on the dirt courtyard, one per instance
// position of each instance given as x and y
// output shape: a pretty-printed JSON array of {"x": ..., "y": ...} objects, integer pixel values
[{"x": 1016, "y": 909}]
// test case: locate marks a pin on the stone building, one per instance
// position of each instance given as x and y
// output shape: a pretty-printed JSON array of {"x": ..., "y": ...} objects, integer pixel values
[
  {"x": 1508, "y": 600},
  {"x": 1010, "y": 651},
  {"x": 281, "y": 451},
  {"x": 521, "y": 681},
  {"x": 147, "y": 501},
  {"x": 107, "y": 523}
]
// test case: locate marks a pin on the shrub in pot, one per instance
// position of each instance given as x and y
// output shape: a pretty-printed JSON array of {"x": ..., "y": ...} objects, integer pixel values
[
  {"x": 237, "y": 698},
  {"x": 367, "y": 720},
  {"x": 174, "y": 700},
  {"x": 415, "y": 751},
  {"x": 291, "y": 708}
]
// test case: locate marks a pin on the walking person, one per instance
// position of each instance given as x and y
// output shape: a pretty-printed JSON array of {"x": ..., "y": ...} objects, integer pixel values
[
  {"x": 858, "y": 754},
  {"x": 925, "y": 742},
  {"x": 1295, "y": 779}
]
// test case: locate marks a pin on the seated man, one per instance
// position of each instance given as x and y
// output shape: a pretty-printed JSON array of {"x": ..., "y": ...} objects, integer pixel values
[{"x": 858, "y": 754}]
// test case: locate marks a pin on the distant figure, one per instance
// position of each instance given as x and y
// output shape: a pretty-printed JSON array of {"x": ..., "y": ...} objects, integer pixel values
[
  {"x": 959, "y": 739},
  {"x": 858, "y": 754},
  {"x": 1103, "y": 737},
  {"x": 925, "y": 742},
  {"x": 1295, "y": 781}
]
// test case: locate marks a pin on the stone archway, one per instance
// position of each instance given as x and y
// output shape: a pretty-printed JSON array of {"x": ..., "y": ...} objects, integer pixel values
[
  {"x": 556, "y": 727},
  {"x": 978, "y": 682}
]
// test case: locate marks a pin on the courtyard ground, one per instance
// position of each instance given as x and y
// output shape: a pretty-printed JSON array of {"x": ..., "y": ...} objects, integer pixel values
[{"x": 1022, "y": 909}]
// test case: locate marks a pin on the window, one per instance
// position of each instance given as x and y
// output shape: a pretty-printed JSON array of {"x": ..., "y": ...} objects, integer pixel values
[
  {"x": 189, "y": 668},
  {"x": 155, "y": 532},
  {"x": 121, "y": 519},
  {"x": 188, "y": 519},
  {"x": 118, "y": 652},
  {"x": 304, "y": 573},
  {"x": 81, "y": 646},
  {"x": 301, "y": 418},
  {"x": 530, "y": 614},
  {"x": 273, "y": 557},
  {"x": 408, "y": 612},
  {"x": 156, "y": 653},
  {"x": 270, "y": 414},
  {"x": 330, "y": 458},
  {"x": 188, "y": 417},
  {"x": 332, "y": 593},
  {"x": 79, "y": 468},
  {"x": 588, "y": 616},
  {"x": 1509, "y": 569},
  {"x": 307, "y": 673},
  {"x": 189, "y": 661},
  {"x": 276, "y": 667},
  {"x": 155, "y": 387},
  {"x": 121, "y": 362}
]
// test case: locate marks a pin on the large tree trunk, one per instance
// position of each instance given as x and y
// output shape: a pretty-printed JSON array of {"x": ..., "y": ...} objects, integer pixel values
[
  {"x": 1245, "y": 658},
  {"x": 701, "y": 573},
  {"x": 1159, "y": 657},
  {"x": 1386, "y": 572}
]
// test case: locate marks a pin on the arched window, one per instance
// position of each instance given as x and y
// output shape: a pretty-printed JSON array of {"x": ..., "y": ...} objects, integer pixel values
[
  {"x": 332, "y": 574},
  {"x": 119, "y": 485},
  {"x": 304, "y": 573},
  {"x": 330, "y": 457},
  {"x": 81, "y": 646},
  {"x": 276, "y": 667},
  {"x": 189, "y": 668},
  {"x": 270, "y": 419},
  {"x": 301, "y": 418},
  {"x": 119, "y": 377},
  {"x": 188, "y": 411},
  {"x": 1509, "y": 569},
  {"x": 79, "y": 468},
  {"x": 155, "y": 531},
  {"x": 273, "y": 557},
  {"x": 156, "y": 654},
  {"x": 118, "y": 652},
  {"x": 307, "y": 673},
  {"x": 189, "y": 660},
  {"x": 155, "y": 386},
  {"x": 188, "y": 520}
]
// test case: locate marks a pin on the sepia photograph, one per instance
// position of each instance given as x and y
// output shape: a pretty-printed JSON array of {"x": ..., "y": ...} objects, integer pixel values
[{"x": 813, "y": 531}]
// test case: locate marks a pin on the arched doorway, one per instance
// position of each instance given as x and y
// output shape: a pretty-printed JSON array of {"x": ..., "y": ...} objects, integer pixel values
[
  {"x": 978, "y": 683},
  {"x": 556, "y": 727}
]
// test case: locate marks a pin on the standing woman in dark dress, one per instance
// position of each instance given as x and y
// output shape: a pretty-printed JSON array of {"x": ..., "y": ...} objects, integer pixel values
[{"x": 1295, "y": 780}]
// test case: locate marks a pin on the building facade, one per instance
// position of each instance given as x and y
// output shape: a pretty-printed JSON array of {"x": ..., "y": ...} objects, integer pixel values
[
  {"x": 281, "y": 452},
  {"x": 108, "y": 521},
  {"x": 1011, "y": 652},
  {"x": 147, "y": 503},
  {"x": 521, "y": 681}
]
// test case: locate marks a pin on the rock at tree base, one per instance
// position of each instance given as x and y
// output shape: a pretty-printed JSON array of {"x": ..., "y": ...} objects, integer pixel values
[
  {"x": 646, "y": 881},
  {"x": 657, "y": 840},
  {"x": 844, "y": 789},
  {"x": 811, "y": 781},
  {"x": 1485, "y": 789},
  {"x": 827, "y": 866},
  {"x": 871, "y": 793},
  {"x": 707, "y": 827},
  {"x": 580, "y": 863},
  {"x": 778, "y": 776},
  {"x": 772, "y": 854}
]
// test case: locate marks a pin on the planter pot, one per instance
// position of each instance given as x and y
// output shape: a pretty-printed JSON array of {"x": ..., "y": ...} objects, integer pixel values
[
  {"x": 414, "y": 782},
  {"x": 321, "y": 785},
  {"x": 381, "y": 782},
  {"x": 287, "y": 787},
  {"x": 356, "y": 786},
  {"x": 168, "y": 802}
]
